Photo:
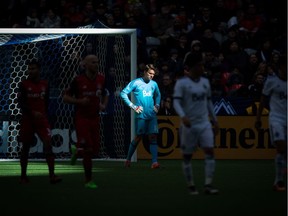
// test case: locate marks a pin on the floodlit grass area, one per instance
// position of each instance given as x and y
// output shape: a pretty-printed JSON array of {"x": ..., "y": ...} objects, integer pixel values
[{"x": 245, "y": 190}]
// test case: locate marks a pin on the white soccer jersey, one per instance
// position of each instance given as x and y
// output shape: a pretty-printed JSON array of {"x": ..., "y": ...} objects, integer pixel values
[
  {"x": 193, "y": 98},
  {"x": 276, "y": 89}
]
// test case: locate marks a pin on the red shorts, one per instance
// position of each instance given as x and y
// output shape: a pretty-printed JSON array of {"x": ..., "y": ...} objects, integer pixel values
[
  {"x": 88, "y": 133},
  {"x": 29, "y": 127}
]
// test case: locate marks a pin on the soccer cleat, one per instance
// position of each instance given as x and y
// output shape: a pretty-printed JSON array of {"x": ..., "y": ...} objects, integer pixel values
[
  {"x": 91, "y": 185},
  {"x": 55, "y": 179},
  {"x": 73, "y": 155},
  {"x": 208, "y": 189},
  {"x": 155, "y": 165},
  {"x": 279, "y": 186},
  {"x": 127, "y": 163},
  {"x": 24, "y": 180},
  {"x": 193, "y": 190}
]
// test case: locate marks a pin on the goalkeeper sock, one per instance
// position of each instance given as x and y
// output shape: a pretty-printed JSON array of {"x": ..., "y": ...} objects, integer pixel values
[
  {"x": 131, "y": 150},
  {"x": 154, "y": 151},
  {"x": 209, "y": 169}
]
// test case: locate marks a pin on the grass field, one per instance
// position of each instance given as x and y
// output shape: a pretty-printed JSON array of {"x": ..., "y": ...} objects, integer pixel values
[{"x": 245, "y": 190}]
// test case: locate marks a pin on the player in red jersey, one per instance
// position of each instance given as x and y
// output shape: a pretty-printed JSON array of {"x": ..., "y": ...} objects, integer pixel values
[
  {"x": 33, "y": 98},
  {"x": 88, "y": 93}
]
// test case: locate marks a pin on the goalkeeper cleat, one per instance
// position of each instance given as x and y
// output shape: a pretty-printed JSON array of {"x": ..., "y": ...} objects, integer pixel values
[
  {"x": 155, "y": 165},
  {"x": 279, "y": 186},
  {"x": 127, "y": 163},
  {"x": 55, "y": 179},
  {"x": 192, "y": 190},
  {"x": 91, "y": 185},
  {"x": 73, "y": 155},
  {"x": 210, "y": 190}
]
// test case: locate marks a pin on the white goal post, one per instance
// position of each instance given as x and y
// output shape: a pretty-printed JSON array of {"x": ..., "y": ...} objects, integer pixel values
[{"x": 60, "y": 49}]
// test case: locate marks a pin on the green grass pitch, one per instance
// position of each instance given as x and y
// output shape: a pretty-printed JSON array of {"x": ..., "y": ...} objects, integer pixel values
[{"x": 245, "y": 190}]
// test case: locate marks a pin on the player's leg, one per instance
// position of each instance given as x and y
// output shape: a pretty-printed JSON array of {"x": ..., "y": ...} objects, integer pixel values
[
  {"x": 278, "y": 138},
  {"x": 25, "y": 139},
  {"x": 152, "y": 131},
  {"x": 206, "y": 140},
  {"x": 188, "y": 144},
  {"x": 132, "y": 148},
  {"x": 280, "y": 165},
  {"x": 140, "y": 125},
  {"x": 85, "y": 148},
  {"x": 44, "y": 132}
]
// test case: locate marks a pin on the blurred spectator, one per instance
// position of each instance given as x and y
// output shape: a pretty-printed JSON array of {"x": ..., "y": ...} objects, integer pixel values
[
  {"x": 252, "y": 66},
  {"x": 51, "y": 19},
  {"x": 209, "y": 42},
  {"x": 182, "y": 45},
  {"x": 220, "y": 34},
  {"x": 161, "y": 21},
  {"x": 206, "y": 17},
  {"x": 166, "y": 85},
  {"x": 72, "y": 17},
  {"x": 166, "y": 107},
  {"x": 217, "y": 88},
  {"x": 32, "y": 20},
  {"x": 255, "y": 89},
  {"x": 100, "y": 13},
  {"x": 236, "y": 19},
  {"x": 236, "y": 58},
  {"x": 264, "y": 52},
  {"x": 232, "y": 35},
  {"x": 174, "y": 62},
  {"x": 195, "y": 49}
]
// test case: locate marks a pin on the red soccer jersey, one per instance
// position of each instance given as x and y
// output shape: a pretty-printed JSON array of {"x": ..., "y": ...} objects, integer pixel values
[
  {"x": 33, "y": 96},
  {"x": 94, "y": 89}
]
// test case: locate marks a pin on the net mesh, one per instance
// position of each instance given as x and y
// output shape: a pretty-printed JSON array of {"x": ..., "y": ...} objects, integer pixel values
[{"x": 60, "y": 57}]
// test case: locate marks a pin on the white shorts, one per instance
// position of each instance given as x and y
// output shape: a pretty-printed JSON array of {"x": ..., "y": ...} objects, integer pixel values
[
  {"x": 278, "y": 131},
  {"x": 196, "y": 136}
]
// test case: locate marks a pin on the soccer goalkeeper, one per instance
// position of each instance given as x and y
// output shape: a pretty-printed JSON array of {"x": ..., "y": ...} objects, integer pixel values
[{"x": 147, "y": 100}]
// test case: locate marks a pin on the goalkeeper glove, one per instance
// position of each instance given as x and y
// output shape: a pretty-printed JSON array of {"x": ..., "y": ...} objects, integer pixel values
[
  {"x": 137, "y": 109},
  {"x": 156, "y": 108}
]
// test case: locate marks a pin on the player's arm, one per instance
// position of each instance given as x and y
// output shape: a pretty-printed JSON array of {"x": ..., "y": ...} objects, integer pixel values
[
  {"x": 157, "y": 99},
  {"x": 22, "y": 100},
  {"x": 47, "y": 96},
  {"x": 104, "y": 99},
  {"x": 212, "y": 115},
  {"x": 211, "y": 111},
  {"x": 263, "y": 101},
  {"x": 69, "y": 95},
  {"x": 124, "y": 96},
  {"x": 177, "y": 100}
]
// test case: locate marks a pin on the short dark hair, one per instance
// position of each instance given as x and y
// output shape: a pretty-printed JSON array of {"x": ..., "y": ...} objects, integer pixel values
[{"x": 193, "y": 59}]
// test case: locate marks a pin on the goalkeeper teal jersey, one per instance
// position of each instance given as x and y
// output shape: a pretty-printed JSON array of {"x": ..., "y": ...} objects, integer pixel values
[{"x": 146, "y": 94}]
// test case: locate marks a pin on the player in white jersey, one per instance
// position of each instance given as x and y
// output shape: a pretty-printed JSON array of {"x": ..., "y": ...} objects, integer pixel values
[
  {"x": 146, "y": 105},
  {"x": 275, "y": 91},
  {"x": 192, "y": 102}
]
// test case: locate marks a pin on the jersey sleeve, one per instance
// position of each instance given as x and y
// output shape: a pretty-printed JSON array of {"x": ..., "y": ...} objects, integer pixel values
[
  {"x": 177, "y": 98},
  {"x": 157, "y": 95},
  {"x": 72, "y": 88},
  {"x": 125, "y": 92}
]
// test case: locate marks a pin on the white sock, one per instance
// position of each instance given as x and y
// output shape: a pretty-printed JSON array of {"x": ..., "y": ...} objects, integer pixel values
[
  {"x": 209, "y": 169},
  {"x": 187, "y": 170}
]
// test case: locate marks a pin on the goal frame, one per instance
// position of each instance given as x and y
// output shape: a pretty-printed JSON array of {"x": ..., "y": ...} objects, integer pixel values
[{"x": 133, "y": 48}]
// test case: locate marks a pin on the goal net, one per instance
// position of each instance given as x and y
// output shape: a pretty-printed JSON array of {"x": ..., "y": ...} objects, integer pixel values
[{"x": 60, "y": 52}]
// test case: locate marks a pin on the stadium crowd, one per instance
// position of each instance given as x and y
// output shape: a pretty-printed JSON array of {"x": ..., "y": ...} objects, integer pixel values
[{"x": 240, "y": 40}]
